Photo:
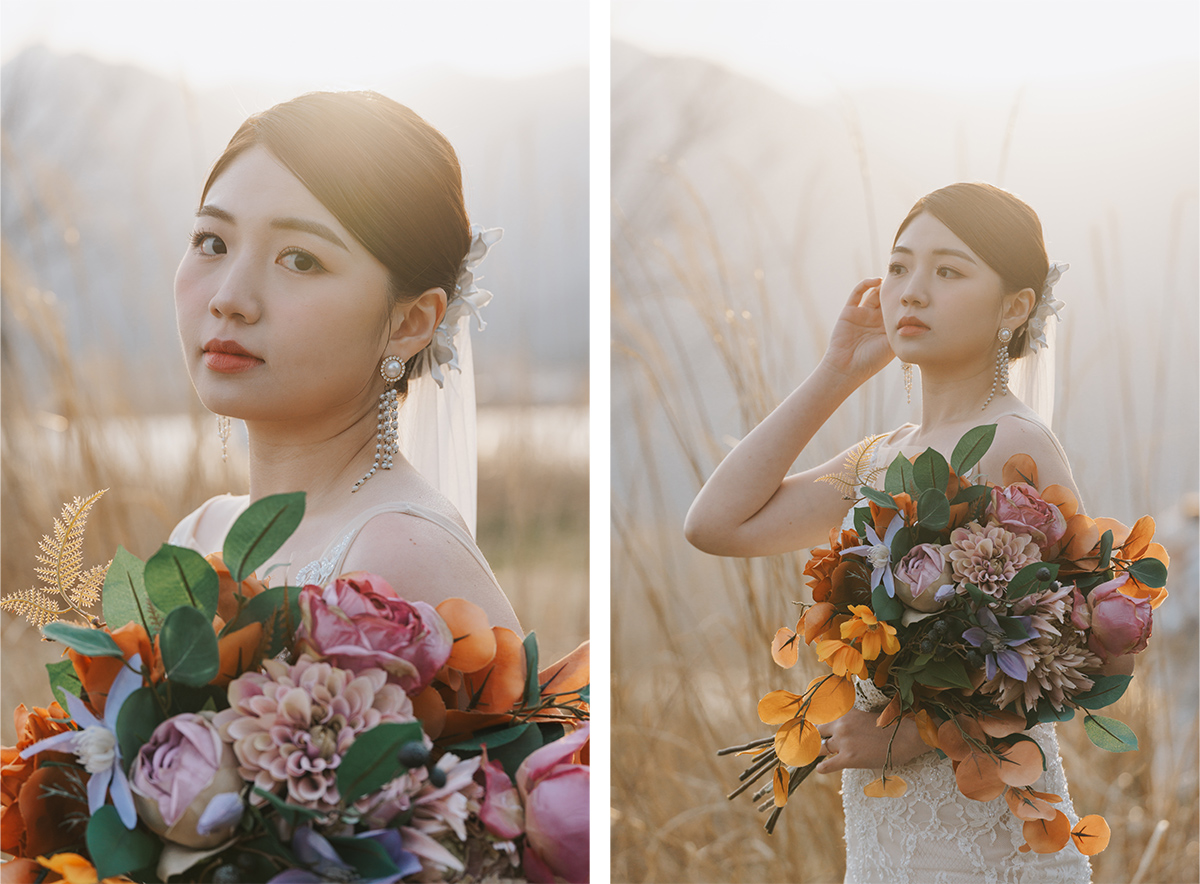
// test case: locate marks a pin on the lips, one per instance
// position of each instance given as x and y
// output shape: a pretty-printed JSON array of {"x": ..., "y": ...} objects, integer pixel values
[
  {"x": 910, "y": 325},
  {"x": 229, "y": 357}
]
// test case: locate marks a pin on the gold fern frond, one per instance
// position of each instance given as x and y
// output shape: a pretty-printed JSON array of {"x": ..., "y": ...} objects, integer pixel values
[
  {"x": 857, "y": 469},
  {"x": 60, "y": 569},
  {"x": 34, "y": 605}
]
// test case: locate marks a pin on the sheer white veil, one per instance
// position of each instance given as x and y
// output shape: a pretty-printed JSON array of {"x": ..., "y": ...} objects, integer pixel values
[
  {"x": 1032, "y": 376},
  {"x": 437, "y": 423}
]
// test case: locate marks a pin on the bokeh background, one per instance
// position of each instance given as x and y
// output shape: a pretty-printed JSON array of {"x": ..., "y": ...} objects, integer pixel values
[
  {"x": 111, "y": 115},
  {"x": 763, "y": 155}
]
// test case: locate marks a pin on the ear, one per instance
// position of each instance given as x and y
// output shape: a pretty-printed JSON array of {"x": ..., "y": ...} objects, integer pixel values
[
  {"x": 1018, "y": 307},
  {"x": 414, "y": 322}
]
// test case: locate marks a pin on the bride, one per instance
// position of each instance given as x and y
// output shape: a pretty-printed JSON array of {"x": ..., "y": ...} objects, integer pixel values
[
  {"x": 323, "y": 300},
  {"x": 968, "y": 286}
]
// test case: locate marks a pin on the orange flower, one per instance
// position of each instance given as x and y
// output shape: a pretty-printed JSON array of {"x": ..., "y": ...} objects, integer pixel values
[
  {"x": 227, "y": 603},
  {"x": 75, "y": 869},
  {"x": 31, "y": 726},
  {"x": 842, "y": 658},
  {"x": 240, "y": 651},
  {"x": 882, "y": 515},
  {"x": 820, "y": 566},
  {"x": 97, "y": 673},
  {"x": 818, "y": 621},
  {"x": 875, "y": 635}
]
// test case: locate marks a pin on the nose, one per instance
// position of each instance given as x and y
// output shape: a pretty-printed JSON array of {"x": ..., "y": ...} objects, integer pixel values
[
  {"x": 913, "y": 294},
  {"x": 237, "y": 295}
]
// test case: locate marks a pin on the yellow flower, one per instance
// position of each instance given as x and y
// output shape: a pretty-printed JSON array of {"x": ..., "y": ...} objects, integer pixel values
[
  {"x": 841, "y": 657},
  {"x": 875, "y": 635}
]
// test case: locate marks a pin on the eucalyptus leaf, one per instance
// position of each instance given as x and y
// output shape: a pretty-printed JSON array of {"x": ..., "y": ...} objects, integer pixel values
[
  {"x": 899, "y": 477},
  {"x": 512, "y": 753},
  {"x": 83, "y": 639},
  {"x": 260, "y": 531},
  {"x": 372, "y": 761},
  {"x": 1026, "y": 580},
  {"x": 878, "y": 497},
  {"x": 1110, "y": 734},
  {"x": 124, "y": 599},
  {"x": 177, "y": 576},
  {"x": 1106, "y": 545},
  {"x": 1046, "y": 712},
  {"x": 63, "y": 681},
  {"x": 971, "y": 448},
  {"x": 1149, "y": 571},
  {"x": 189, "y": 647},
  {"x": 1106, "y": 691},
  {"x": 948, "y": 673},
  {"x": 140, "y": 714},
  {"x": 292, "y": 814},
  {"x": 367, "y": 855},
  {"x": 115, "y": 849},
  {"x": 493, "y": 739},
  {"x": 902, "y": 542},
  {"x": 533, "y": 690},
  {"x": 930, "y": 470},
  {"x": 884, "y": 606},
  {"x": 278, "y": 610},
  {"x": 933, "y": 510}
]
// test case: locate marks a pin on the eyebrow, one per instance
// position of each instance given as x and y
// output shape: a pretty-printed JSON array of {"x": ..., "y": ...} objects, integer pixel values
[
  {"x": 301, "y": 224},
  {"x": 954, "y": 253}
]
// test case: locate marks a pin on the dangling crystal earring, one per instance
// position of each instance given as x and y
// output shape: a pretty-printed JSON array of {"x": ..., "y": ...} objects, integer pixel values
[
  {"x": 223, "y": 435},
  {"x": 907, "y": 368},
  {"x": 1000, "y": 379},
  {"x": 386, "y": 447}
]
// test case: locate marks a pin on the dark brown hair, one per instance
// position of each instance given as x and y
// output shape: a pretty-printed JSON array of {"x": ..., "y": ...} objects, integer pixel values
[
  {"x": 1000, "y": 229},
  {"x": 392, "y": 180}
]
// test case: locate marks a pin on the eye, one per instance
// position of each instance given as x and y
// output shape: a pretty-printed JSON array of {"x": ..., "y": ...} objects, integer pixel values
[
  {"x": 948, "y": 273},
  {"x": 208, "y": 244},
  {"x": 299, "y": 261},
  {"x": 895, "y": 269}
]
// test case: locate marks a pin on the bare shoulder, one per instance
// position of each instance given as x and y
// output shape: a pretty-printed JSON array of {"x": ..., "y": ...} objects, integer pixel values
[
  {"x": 1019, "y": 434},
  {"x": 205, "y": 527},
  {"x": 423, "y": 561}
]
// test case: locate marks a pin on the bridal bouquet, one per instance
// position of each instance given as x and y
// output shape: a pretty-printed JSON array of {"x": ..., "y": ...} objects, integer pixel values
[
  {"x": 212, "y": 728},
  {"x": 977, "y": 611}
]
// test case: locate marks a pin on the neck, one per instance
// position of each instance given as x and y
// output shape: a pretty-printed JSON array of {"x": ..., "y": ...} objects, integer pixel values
[{"x": 956, "y": 394}]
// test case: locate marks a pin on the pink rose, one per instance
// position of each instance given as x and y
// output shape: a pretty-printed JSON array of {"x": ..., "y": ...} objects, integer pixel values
[
  {"x": 556, "y": 810},
  {"x": 177, "y": 772},
  {"x": 358, "y": 623},
  {"x": 924, "y": 567},
  {"x": 501, "y": 814},
  {"x": 1120, "y": 625},
  {"x": 1020, "y": 509}
]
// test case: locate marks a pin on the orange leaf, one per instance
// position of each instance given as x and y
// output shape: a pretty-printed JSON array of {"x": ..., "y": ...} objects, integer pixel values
[
  {"x": 831, "y": 698},
  {"x": 797, "y": 742},
  {"x": 783, "y": 648},
  {"x": 1002, "y": 724},
  {"x": 1051, "y": 836},
  {"x": 1080, "y": 538},
  {"x": 953, "y": 737},
  {"x": 885, "y": 787},
  {"x": 779, "y": 785},
  {"x": 1020, "y": 468},
  {"x": 1139, "y": 538},
  {"x": 500, "y": 685},
  {"x": 978, "y": 777},
  {"x": 927, "y": 729},
  {"x": 1022, "y": 763},
  {"x": 1120, "y": 531},
  {"x": 1061, "y": 497},
  {"x": 239, "y": 651},
  {"x": 818, "y": 620},
  {"x": 1026, "y": 805},
  {"x": 1091, "y": 834},
  {"x": 779, "y": 706},
  {"x": 569, "y": 674},
  {"x": 890, "y": 713},
  {"x": 474, "y": 642},
  {"x": 430, "y": 709}
]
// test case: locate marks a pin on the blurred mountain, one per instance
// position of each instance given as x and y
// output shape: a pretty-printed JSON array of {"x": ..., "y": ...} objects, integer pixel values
[
  {"x": 102, "y": 166},
  {"x": 729, "y": 193}
]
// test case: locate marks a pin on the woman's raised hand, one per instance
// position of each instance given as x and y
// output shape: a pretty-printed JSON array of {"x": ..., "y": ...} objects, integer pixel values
[{"x": 858, "y": 347}]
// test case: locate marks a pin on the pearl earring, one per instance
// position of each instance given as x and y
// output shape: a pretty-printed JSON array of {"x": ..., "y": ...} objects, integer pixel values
[
  {"x": 1000, "y": 378},
  {"x": 386, "y": 447},
  {"x": 223, "y": 435},
  {"x": 907, "y": 368}
]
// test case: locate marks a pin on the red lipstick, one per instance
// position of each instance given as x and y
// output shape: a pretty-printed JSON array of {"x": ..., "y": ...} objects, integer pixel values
[{"x": 228, "y": 357}]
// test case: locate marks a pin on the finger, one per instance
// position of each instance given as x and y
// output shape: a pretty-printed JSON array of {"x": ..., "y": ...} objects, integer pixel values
[
  {"x": 830, "y": 764},
  {"x": 871, "y": 298},
  {"x": 856, "y": 296}
]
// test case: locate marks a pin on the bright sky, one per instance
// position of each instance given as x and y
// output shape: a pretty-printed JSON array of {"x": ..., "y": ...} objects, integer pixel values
[
  {"x": 348, "y": 41},
  {"x": 812, "y": 48}
]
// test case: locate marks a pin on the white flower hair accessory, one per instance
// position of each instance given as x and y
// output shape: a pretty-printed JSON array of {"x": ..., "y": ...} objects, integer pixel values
[
  {"x": 1047, "y": 306},
  {"x": 467, "y": 298}
]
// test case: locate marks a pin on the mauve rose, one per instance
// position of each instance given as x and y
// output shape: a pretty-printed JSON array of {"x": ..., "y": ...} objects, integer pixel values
[
  {"x": 501, "y": 814},
  {"x": 177, "y": 772},
  {"x": 924, "y": 569},
  {"x": 1120, "y": 625},
  {"x": 358, "y": 622},
  {"x": 1020, "y": 509},
  {"x": 556, "y": 810}
]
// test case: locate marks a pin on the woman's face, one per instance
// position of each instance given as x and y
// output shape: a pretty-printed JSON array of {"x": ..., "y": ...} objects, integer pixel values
[
  {"x": 940, "y": 302},
  {"x": 282, "y": 313}
]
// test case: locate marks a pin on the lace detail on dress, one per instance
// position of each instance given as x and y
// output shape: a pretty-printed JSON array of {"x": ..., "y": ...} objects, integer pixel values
[{"x": 321, "y": 570}]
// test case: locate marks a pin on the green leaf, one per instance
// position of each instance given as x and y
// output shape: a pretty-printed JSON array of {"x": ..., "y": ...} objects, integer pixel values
[
  {"x": 971, "y": 493},
  {"x": 115, "y": 849},
  {"x": 87, "y": 641},
  {"x": 948, "y": 673},
  {"x": 176, "y": 576},
  {"x": 551, "y": 731},
  {"x": 1149, "y": 571},
  {"x": 1012, "y": 627},
  {"x": 971, "y": 448},
  {"x": 493, "y": 739},
  {"x": 512, "y": 753},
  {"x": 585, "y": 693},
  {"x": 885, "y": 607},
  {"x": 279, "y": 619},
  {"x": 533, "y": 690},
  {"x": 139, "y": 716},
  {"x": 899, "y": 477},
  {"x": 879, "y": 497},
  {"x": 930, "y": 470},
  {"x": 1110, "y": 734},
  {"x": 1026, "y": 580},
  {"x": 260, "y": 531},
  {"x": 1046, "y": 712},
  {"x": 124, "y": 598},
  {"x": 902, "y": 542},
  {"x": 292, "y": 814},
  {"x": 189, "y": 647},
  {"x": 933, "y": 510},
  {"x": 862, "y": 518},
  {"x": 372, "y": 761},
  {"x": 1106, "y": 545},
  {"x": 63, "y": 681},
  {"x": 976, "y": 595},
  {"x": 1106, "y": 691},
  {"x": 367, "y": 855}
]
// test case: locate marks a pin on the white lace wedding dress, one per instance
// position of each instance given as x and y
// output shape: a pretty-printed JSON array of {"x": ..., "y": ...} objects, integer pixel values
[{"x": 933, "y": 834}]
